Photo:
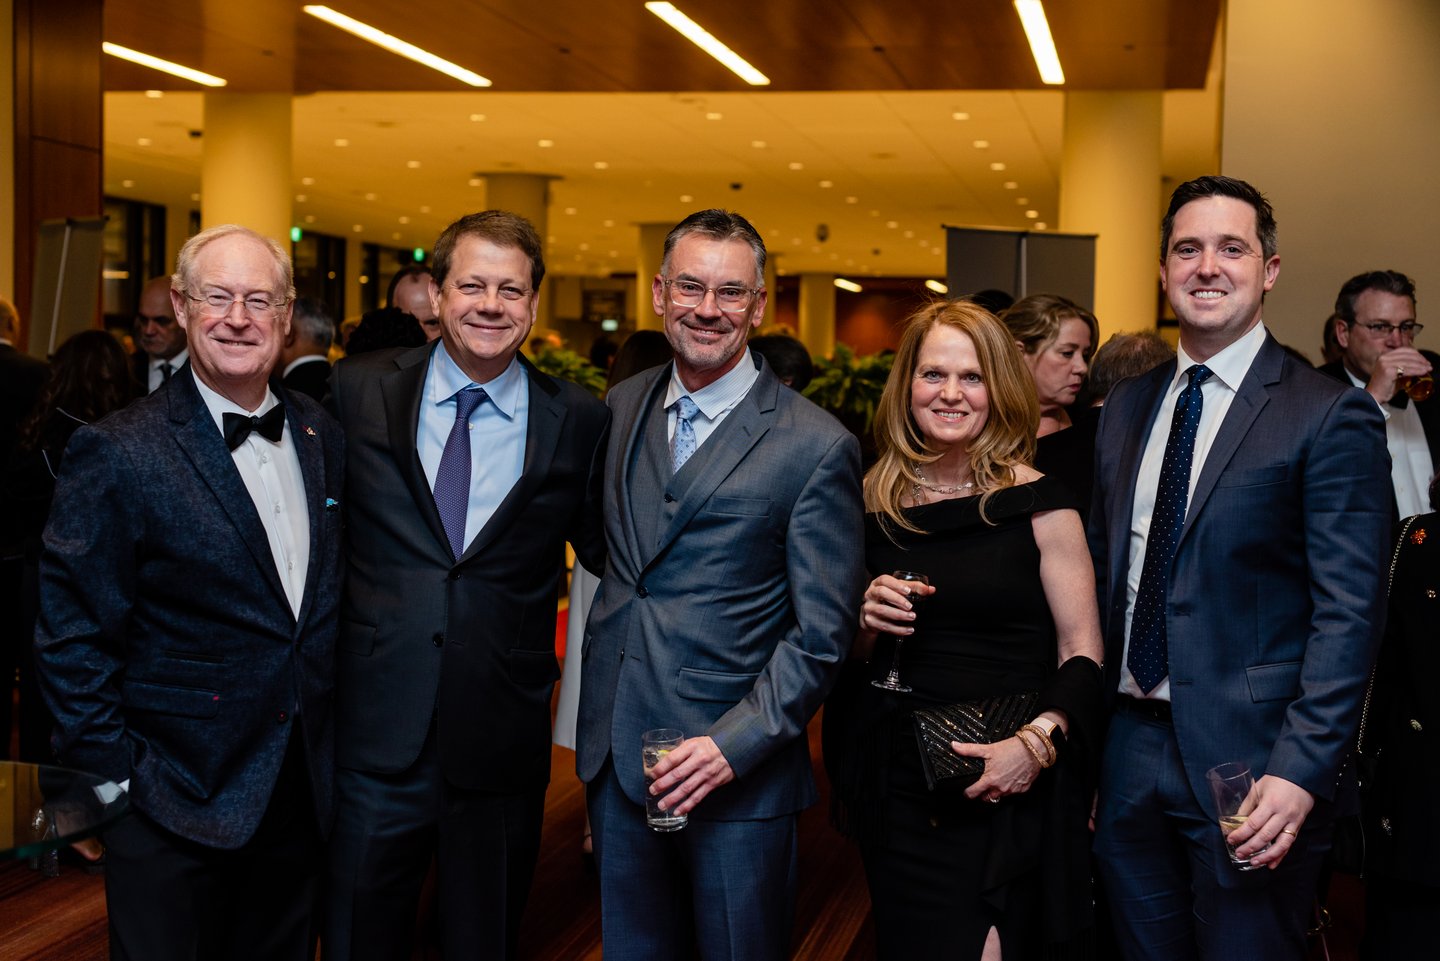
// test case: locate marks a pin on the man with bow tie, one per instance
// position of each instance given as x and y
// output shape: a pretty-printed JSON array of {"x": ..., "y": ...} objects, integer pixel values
[{"x": 189, "y": 593}]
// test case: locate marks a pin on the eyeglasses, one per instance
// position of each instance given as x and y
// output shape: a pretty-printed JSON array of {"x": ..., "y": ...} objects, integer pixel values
[
  {"x": 1407, "y": 329},
  {"x": 731, "y": 299},
  {"x": 505, "y": 291},
  {"x": 218, "y": 305}
]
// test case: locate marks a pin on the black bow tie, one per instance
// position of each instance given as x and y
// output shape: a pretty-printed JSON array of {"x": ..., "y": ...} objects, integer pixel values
[{"x": 269, "y": 425}]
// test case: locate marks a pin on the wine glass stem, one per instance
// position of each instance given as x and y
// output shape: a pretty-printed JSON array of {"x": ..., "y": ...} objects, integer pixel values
[{"x": 894, "y": 676}]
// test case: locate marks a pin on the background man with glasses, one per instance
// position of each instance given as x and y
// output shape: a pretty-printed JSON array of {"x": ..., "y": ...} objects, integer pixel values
[
  {"x": 1375, "y": 327},
  {"x": 160, "y": 345},
  {"x": 468, "y": 471},
  {"x": 189, "y": 591},
  {"x": 733, "y": 518}
]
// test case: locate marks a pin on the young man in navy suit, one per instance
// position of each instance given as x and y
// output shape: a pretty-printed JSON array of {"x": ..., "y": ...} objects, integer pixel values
[
  {"x": 189, "y": 589},
  {"x": 1239, "y": 527}
]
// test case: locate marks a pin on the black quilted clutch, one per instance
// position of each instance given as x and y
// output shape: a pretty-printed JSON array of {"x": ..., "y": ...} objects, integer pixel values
[{"x": 969, "y": 722}]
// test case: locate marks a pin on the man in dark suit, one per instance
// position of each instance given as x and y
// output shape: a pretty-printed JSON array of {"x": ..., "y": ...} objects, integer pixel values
[
  {"x": 189, "y": 597},
  {"x": 1238, "y": 529},
  {"x": 468, "y": 471},
  {"x": 160, "y": 341},
  {"x": 1375, "y": 328},
  {"x": 304, "y": 361},
  {"x": 735, "y": 529}
]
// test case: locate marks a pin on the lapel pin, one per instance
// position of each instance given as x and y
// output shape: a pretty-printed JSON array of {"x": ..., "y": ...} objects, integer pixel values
[
  {"x": 310, "y": 431},
  {"x": 331, "y": 504}
]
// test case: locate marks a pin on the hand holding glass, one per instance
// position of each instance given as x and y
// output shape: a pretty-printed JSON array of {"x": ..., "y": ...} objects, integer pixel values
[
  {"x": 892, "y": 680},
  {"x": 1231, "y": 785},
  {"x": 654, "y": 745}
]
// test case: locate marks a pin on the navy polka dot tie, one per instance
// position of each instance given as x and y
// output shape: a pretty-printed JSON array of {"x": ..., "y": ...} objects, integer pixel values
[
  {"x": 452, "y": 478},
  {"x": 1149, "y": 657},
  {"x": 682, "y": 445}
]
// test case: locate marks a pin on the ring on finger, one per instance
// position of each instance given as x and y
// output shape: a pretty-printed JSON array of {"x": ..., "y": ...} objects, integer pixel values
[{"x": 1293, "y": 834}]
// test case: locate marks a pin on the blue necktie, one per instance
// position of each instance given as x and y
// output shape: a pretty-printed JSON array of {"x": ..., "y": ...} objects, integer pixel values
[
  {"x": 452, "y": 478},
  {"x": 1149, "y": 657},
  {"x": 683, "y": 444}
]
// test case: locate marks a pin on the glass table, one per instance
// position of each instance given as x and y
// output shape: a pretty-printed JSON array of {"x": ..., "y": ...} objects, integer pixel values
[{"x": 43, "y": 808}]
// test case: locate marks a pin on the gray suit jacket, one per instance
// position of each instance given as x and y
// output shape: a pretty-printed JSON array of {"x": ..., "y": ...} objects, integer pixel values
[
  {"x": 166, "y": 646},
  {"x": 1276, "y": 594},
  {"x": 731, "y": 594},
  {"x": 469, "y": 643}
]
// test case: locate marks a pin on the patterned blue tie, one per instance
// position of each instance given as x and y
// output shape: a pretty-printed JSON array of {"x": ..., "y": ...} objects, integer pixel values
[
  {"x": 1149, "y": 657},
  {"x": 682, "y": 445},
  {"x": 452, "y": 478}
]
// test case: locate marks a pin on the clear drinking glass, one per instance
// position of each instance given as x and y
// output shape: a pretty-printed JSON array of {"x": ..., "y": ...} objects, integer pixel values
[
  {"x": 892, "y": 679},
  {"x": 653, "y": 746},
  {"x": 1231, "y": 785}
]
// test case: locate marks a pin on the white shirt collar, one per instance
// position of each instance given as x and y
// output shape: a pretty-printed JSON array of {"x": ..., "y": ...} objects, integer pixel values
[
  {"x": 307, "y": 358},
  {"x": 1230, "y": 365},
  {"x": 716, "y": 398},
  {"x": 219, "y": 405}
]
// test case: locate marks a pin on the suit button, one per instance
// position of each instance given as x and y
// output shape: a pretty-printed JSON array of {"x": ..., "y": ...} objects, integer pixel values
[
  {"x": 281, "y": 718},
  {"x": 439, "y": 639},
  {"x": 641, "y": 591},
  {"x": 669, "y": 498},
  {"x": 454, "y": 575}
]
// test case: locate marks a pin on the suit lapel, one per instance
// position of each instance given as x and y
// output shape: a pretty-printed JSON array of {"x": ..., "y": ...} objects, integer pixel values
[
  {"x": 722, "y": 453},
  {"x": 543, "y": 425},
  {"x": 1250, "y": 398},
  {"x": 631, "y": 425},
  {"x": 197, "y": 435},
  {"x": 312, "y": 471},
  {"x": 1143, "y": 410},
  {"x": 402, "y": 391}
]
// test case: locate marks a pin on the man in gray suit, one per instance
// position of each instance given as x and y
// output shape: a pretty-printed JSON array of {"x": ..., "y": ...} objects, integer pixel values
[{"x": 735, "y": 528}]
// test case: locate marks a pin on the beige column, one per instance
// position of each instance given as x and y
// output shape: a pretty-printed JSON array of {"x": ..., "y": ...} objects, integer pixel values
[
  {"x": 177, "y": 231},
  {"x": 1110, "y": 185},
  {"x": 817, "y": 313},
  {"x": 529, "y": 196},
  {"x": 245, "y": 175},
  {"x": 649, "y": 252}
]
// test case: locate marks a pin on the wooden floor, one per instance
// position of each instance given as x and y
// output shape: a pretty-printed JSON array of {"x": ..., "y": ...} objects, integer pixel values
[{"x": 63, "y": 918}]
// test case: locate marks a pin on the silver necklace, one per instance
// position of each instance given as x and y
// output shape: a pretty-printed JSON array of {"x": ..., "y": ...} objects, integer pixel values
[{"x": 920, "y": 473}]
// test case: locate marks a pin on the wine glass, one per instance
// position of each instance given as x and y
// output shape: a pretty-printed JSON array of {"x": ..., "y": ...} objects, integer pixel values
[{"x": 892, "y": 680}]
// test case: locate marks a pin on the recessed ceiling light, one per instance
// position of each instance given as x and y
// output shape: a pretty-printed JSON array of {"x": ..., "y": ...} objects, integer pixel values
[
  {"x": 614, "y": 253},
  {"x": 195, "y": 197},
  {"x": 1042, "y": 45},
  {"x": 874, "y": 213},
  {"x": 301, "y": 198},
  {"x": 1040, "y": 225},
  {"x": 852, "y": 200},
  {"x": 959, "y": 115},
  {"x": 357, "y": 228},
  {"x": 601, "y": 165},
  {"x": 404, "y": 220},
  {"x": 1012, "y": 185},
  {"x": 997, "y": 166},
  {"x": 826, "y": 184},
  {"x": 477, "y": 118},
  {"x": 341, "y": 142},
  {"x": 1032, "y": 214},
  {"x": 686, "y": 198},
  {"x": 584, "y": 246},
  {"x": 309, "y": 218},
  {"x": 758, "y": 144},
  {"x": 395, "y": 45},
  {"x": 703, "y": 39},
  {"x": 545, "y": 143},
  {"x": 982, "y": 145},
  {"x": 127, "y": 183},
  {"x": 413, "y": 164},
  {"x": 796, "y": 165},
  {"x": 892, "y": 224},
  {"x": 424, "y": 208},
  {"x": 307, "y": 181},
  {"x": 909, "y": 234},
  {"x": 608, "y": 223},
  {"x": 1021, "y": 201},
  {"x": 143, "y": 141},
  {"x": 164, "y": 66},
  {"x": 370, "y": 196},
  {"x": 713, "y": 115},
  {"x": 571, "y": 211},
  {"x": 154, "y": 94},
  {"x": 395, "y": 235},
  {"x": 475, "y": 181}
]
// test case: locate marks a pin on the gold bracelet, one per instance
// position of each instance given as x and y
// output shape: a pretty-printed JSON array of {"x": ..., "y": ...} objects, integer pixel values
[
  {"x": 1031, "y": 748},
  {"x": 1049, "y": 745}
]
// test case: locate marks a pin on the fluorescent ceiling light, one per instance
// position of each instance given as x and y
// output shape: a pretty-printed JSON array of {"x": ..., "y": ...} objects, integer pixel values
[
  {"x": 395, "y": 45},
  {"x": 1042, "y": 45},
  {"x": 849, "y": 285},
  {"x": 706, "y": 41},
  {"x": 937, "y": 286},
  {"x": 164, "y": 66}
]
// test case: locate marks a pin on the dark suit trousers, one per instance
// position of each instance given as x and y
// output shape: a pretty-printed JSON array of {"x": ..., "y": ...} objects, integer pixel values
[
  {"x": 1173, "y": 893},
  {"x": 170, "y": 899},
  {"x": 726, "y": 886},
  {"x": 389, "y": 828}
]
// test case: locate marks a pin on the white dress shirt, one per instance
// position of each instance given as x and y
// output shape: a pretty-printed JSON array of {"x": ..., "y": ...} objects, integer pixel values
[
  {"x": 271, "y": 472},
  {"x": 153, "y": 376},
  {"x": 497, "y": 432},
  {"x": 715, "y": 401},
  {"x": 1228, "y": 368},
  {"x": 1411, "y": 466}
]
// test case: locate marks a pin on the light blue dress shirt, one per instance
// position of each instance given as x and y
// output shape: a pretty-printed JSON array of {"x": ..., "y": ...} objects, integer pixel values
[{"x": 497, "y": 432}]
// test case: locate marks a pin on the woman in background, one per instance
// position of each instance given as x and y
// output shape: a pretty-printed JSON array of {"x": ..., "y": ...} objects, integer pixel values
[{"x": 1000, "y": 869}]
